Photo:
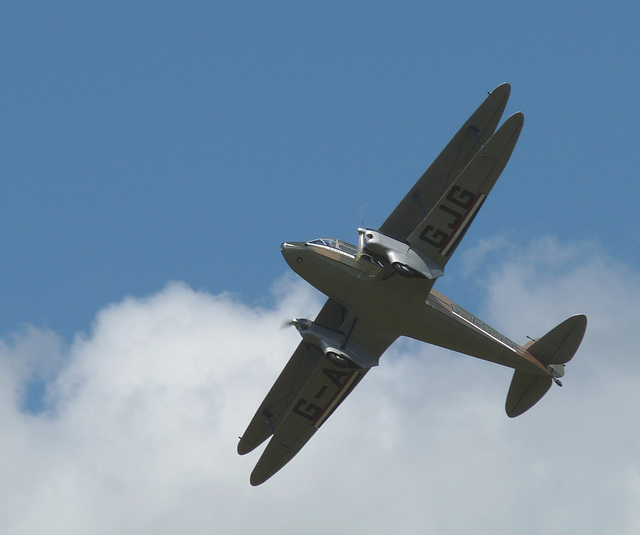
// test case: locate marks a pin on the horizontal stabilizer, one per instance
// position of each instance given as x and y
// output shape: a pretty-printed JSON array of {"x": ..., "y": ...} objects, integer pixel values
[
  {"x": 554, "y": 349},
  {"x": 560, "y": 344},
  {"x": 525, "y": 391}
]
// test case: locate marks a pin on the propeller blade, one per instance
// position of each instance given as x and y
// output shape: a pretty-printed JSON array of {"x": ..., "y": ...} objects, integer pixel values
[{"x": 288, "y": 323}]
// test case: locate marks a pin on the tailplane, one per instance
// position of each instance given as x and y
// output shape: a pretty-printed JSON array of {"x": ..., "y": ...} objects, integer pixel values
[{"x": 554, "y": 349}]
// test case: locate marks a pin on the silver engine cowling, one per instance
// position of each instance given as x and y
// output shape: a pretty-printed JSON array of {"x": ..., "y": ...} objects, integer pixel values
[{"x": 405, "y": 260}]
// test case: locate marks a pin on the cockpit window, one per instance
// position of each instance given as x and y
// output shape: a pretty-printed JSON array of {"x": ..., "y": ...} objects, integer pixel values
[
  {"x": 347, "y": 248},
  {"x": 333, "y": 243},
  {"x": 327, "y": 242}
]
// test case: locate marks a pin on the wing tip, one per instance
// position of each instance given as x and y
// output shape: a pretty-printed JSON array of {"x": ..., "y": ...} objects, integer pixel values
[
  {"x": 504, "y": 87},
  {"x": 247, "y": 446},
  {"x": 262, "y": 472},
  {"x": 242, "y": 449},
  {"x": 520, "y": 116}
]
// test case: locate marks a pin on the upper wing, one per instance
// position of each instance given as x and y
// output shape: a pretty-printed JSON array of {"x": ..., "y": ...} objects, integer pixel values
[
  {"x": 306, "y": 393},
  {"x": 447, "y": 166},
  {"x": 440, "y": 232}
]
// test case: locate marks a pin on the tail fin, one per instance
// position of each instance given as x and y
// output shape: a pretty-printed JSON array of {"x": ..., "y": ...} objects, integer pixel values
[{"x": 554, "y": 349}]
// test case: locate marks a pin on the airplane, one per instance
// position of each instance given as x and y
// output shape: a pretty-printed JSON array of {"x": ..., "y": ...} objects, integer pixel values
[{"x": 382, "y": 289}]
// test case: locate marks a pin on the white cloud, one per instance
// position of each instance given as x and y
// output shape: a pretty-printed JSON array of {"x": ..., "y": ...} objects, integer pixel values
[{"x": 142, "y": 418}]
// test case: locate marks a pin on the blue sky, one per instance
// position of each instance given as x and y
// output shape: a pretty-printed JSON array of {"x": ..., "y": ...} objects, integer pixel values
[
  {"x": 169, "y": 142},
  {"x": 164, "y": 141}
]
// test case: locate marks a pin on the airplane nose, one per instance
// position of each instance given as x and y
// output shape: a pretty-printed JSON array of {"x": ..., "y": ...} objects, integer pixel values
[
  {"x": 286, "y": 248},
  {"x": 290, "y": 251},
  {"x": 290, "y": 246}
]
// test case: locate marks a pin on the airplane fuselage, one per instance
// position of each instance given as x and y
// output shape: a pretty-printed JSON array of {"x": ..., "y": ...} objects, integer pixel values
[
  {"x": 397, "y": 305},
  {"x": 364, "y": 285}
]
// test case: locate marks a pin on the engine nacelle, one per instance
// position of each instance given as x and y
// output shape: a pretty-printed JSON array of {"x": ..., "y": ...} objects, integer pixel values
[
  {"x": 405, "y": 260},
  {"x": 330, "y": 342}
]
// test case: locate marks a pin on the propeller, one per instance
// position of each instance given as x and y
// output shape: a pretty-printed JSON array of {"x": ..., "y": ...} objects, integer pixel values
[
  {"x": 362, "y": 211},
  {"x": 299, "y": 323}
]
